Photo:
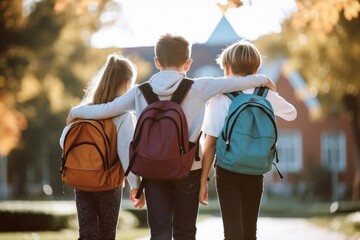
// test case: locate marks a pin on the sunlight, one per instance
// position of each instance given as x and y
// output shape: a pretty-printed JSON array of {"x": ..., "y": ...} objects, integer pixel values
[{"x": 140, "y": 23}]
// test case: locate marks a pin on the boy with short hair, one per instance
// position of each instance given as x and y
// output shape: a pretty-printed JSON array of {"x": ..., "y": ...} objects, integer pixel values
[
  {"x": 173, "y": 205},
  {"x": 239, "y": 194}
]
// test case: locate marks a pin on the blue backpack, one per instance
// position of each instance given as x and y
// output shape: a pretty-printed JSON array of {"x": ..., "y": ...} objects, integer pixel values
[{"x": 247, "y": 143}]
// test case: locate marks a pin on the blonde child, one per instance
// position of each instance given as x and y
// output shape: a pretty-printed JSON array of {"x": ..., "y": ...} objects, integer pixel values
[
  {"x": 98, "y": 212},
  {"x": 239, "y": 194}
]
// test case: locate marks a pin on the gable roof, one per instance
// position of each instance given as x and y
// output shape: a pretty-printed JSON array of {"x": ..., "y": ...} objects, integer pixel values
[{"x": 223, "y": 34}]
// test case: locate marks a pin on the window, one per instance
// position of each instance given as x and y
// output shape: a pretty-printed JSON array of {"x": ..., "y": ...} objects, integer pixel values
[
  {"x": 333, "y": 150},
  {"x": 290, "y": 150}
]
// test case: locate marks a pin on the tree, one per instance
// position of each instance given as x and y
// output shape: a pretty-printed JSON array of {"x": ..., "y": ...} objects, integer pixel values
[
  {"x": 324, "y": 15},
  {"x": 12, "y": 121},
  {"x": 335, "y": 29},
  {"x": 45, "y": 51},
  {"x": 327, "y": 36}
]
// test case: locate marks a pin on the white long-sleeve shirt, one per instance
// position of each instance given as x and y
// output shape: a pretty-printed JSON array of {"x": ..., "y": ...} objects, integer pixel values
[
  {"x": 125, "y": 126},
  {"x": 164, "y": 83},
  {"x": 218, "y": 106}
]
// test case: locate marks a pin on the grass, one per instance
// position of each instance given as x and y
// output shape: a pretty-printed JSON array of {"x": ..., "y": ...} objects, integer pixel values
[
  {"x": 340, "y": 222},
  {"x": 293, "y": 208}
]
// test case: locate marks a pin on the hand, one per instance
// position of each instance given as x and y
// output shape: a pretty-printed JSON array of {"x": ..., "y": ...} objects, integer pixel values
[
  {"x": 138, "y": 203},
  {"x": 270, "y": 84},
  {"x": 203, "y": 195}
]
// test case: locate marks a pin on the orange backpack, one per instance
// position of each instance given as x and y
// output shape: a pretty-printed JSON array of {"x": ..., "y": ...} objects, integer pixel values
[{"x": 89, "y": 160}]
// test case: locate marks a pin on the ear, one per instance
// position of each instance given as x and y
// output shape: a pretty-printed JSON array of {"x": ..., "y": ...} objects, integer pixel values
[
  {"x": 157, "y": 63},
  {"x": 227, "y": 70},
  {"x": 187, "y": 64}
]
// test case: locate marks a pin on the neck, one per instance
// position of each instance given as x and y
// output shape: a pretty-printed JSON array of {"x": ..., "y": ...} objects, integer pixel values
[{"x": 178, "y": 69}]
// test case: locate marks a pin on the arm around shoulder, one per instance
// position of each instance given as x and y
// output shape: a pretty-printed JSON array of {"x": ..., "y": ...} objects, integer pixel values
[
  {"x": 209, "y": 87},
  {"x": 269, "y": 83},
  {"x": 118, "y": 106}
]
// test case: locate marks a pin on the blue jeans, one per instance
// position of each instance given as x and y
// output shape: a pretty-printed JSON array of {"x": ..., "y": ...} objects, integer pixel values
[
  {"x": 239, "y": 198},
  {"x": 172, "y": 207}
]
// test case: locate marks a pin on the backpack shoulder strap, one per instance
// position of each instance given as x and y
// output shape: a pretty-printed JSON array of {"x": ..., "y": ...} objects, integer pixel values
[
  {"x": 233, "y": 95},
  {"x": 183, "y": 88},
  {"x": 148, "y": 93},
  {"x": 261, "y": 91}
]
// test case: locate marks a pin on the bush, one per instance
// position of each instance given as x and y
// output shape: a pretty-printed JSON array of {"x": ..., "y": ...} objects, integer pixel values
[{"x": 36, "y": 216}]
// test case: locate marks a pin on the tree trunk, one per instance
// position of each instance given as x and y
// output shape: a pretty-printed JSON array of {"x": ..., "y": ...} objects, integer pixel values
[{"x": 352, "y": 104}]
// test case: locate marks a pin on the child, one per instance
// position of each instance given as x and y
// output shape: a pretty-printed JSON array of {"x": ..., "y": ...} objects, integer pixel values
[
  {"x": 239, "y": 194},
  {"x": 173, "y": 205},
  {"x": 98, "y": 211}
]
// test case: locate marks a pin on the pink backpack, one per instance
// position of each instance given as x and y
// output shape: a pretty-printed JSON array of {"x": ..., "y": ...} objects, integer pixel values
[{"x": 160, "y": 148}]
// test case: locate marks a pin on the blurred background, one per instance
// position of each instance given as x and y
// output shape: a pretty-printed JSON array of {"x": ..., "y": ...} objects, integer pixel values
[{"x": 49, "y": 50}]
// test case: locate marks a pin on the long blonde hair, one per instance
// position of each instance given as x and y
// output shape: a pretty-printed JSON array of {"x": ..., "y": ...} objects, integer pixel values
[{"x": 116, "y": 76}]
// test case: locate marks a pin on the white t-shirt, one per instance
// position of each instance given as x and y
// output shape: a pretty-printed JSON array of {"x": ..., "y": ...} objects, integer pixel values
[{"x": 217, "y": 109}]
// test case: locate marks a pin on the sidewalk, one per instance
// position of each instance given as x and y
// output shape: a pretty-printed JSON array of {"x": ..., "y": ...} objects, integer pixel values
[{"x": 270, "y": 229}]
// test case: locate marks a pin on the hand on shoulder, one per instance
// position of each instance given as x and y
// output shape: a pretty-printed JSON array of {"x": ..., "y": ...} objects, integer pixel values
[{"x": 269, "y": 84}]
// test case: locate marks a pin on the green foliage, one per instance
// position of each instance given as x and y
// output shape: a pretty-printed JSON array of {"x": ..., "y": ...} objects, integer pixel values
[
  {"x": 344, "y": 223},
  {"x": 327, "y": 61},
  {"x": 45, "y": 63}
]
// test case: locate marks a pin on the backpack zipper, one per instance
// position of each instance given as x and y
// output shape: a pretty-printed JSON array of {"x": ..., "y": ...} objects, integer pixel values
[{"x": 106, "y": 165}]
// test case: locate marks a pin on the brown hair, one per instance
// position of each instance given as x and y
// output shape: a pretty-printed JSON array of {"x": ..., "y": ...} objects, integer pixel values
[
  {"x": 242, "y": 57},
  {"x": 172, "y": 51},
  {"x": 115, "y": 78}
]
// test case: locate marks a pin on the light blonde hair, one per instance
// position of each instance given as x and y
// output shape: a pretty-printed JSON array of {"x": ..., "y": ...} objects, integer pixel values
[
  {"x": 242, "y": 57},
  {"x": 116, "y": 76}
]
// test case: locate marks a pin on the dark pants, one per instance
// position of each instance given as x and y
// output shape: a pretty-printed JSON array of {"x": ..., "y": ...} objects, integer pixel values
[
  {"x": 173, "y": 207},
  {"x": 239, "y": 198},
  {"x": 98, "y": 213}
]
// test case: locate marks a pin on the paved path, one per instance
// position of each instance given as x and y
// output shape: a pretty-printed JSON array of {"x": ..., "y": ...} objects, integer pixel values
[{"x": 270, "y": 229}]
